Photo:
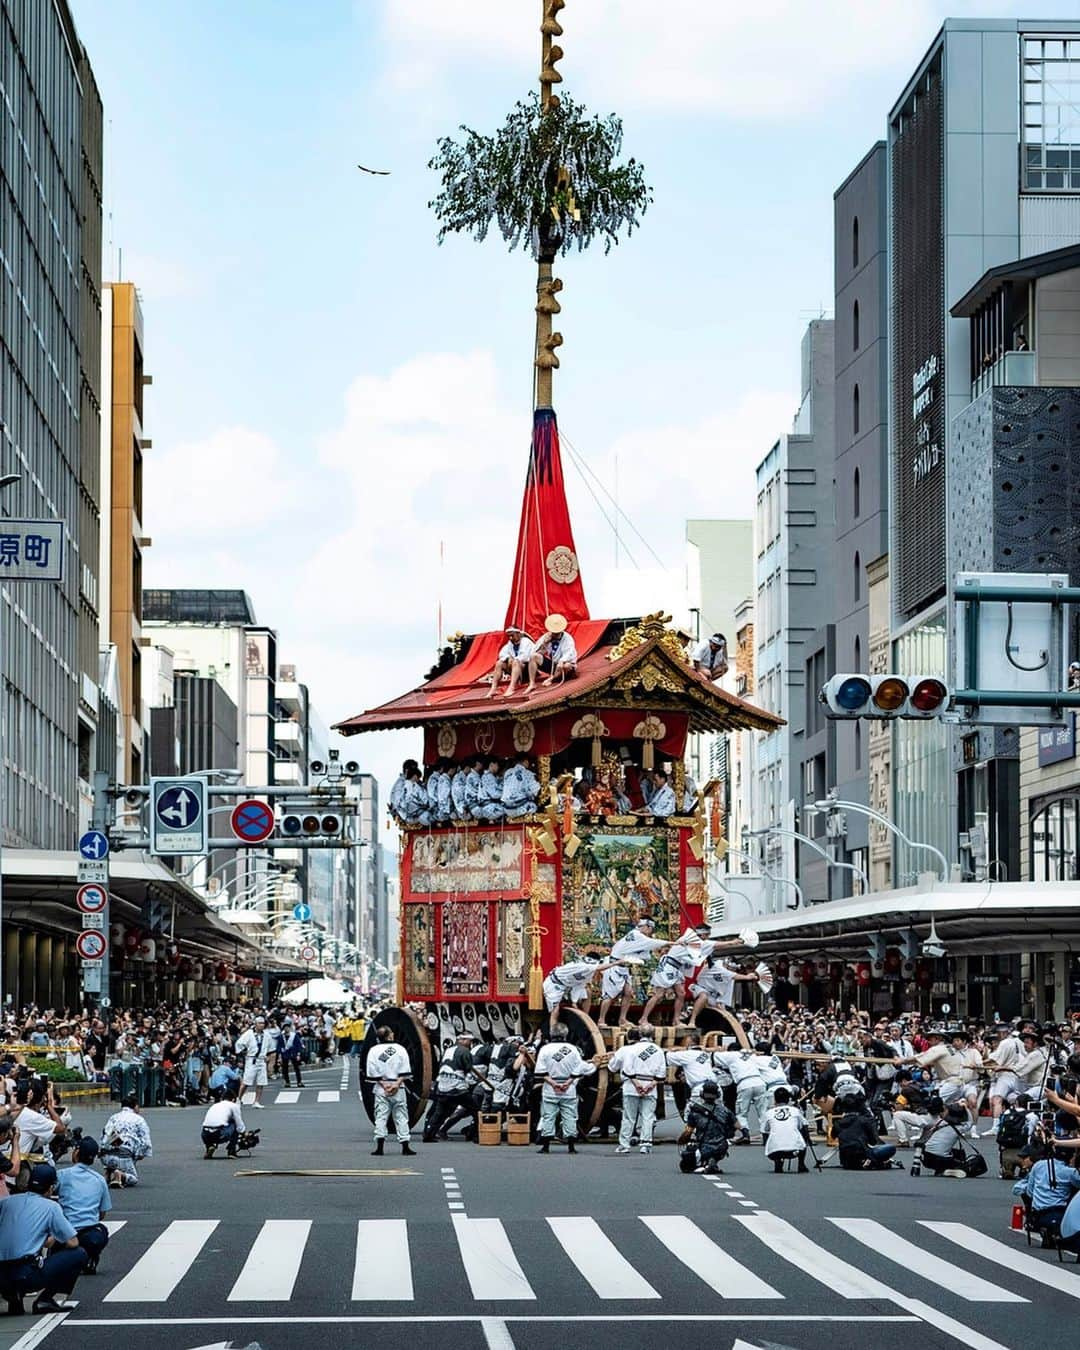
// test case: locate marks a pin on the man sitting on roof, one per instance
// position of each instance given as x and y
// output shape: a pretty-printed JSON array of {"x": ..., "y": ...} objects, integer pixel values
[
  {"x": 555, "y": 653},
  {"x": 513, "y": 660},
  {"x": 710, "y": 657},
  {"x": 520, "y": 790},
  {"x": 397, "y": 792}
]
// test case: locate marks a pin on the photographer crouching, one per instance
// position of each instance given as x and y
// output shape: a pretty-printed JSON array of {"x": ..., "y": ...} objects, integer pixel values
[{"x": 224, "y": 1124}]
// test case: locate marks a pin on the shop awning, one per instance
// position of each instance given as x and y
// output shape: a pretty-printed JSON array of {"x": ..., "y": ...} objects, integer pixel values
[{"x": 970, "y": 918}]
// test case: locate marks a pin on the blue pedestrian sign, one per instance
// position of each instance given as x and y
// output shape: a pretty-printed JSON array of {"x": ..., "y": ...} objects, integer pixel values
[
  {"x": 301, "y": 913},
  {"x": 94, "y": 845},
  {"x": 177, "y": 816}
]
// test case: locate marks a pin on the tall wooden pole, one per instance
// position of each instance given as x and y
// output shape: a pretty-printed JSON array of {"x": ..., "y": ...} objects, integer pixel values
[{"x": 547, "y": 285}]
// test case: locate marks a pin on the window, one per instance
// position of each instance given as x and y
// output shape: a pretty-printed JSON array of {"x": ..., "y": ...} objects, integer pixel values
[
  {"x": 856, "y": 578},
  {"x": 1051, "y": 149},
  {"x": 855, "y": 326},
  {"x": 855, "y": 242},
  {"x": 855, "y": 411},
  {"x": 856, "y": 504},
  {"x": 1055, "y": 829}
]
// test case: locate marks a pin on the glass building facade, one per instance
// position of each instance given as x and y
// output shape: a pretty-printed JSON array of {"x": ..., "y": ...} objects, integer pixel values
[{"x": 43, "y": 371}]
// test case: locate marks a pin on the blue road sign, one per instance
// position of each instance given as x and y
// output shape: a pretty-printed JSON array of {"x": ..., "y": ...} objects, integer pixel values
[
  {"x": 301, "y": 913},
  {"x": 178, "y": 816},
  {"x": 94, "y": 845}
]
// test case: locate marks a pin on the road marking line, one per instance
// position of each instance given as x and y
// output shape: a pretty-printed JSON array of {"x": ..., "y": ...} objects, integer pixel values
[
  {"x": 1056, "y": 1276},
  {"x": 37, "y": 1333},
  {"x": 599, "y": 1260},
  {"x": 455, "y": 1205},
  {"x": 114, "y": 1225},
  {"x": 490, "y": 1263},
  {"x": 160, "y": 1269},
  {"x": 958, "y": 1281},
  {"x": 383, "y": 1269},
  {"x": 434, "y": 1319},
  {"x": 750, "y": 1204},
  {"x": 329, "y": 1095},
  {"x": 735, "y": 1195},
  {"x": 685, "y": 1240},
  {"x": 848, "y": 1281},
  {"x": 287, "y": 1097},
  {"x": 273, "y": 1263},
  {"x": 495, "y": 1334}
]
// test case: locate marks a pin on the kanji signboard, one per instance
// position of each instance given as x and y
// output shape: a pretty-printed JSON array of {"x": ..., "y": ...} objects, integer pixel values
[{"x": 31, "y": 550}]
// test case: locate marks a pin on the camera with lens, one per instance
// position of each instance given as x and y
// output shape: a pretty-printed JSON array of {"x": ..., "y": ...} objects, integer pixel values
[{"x": 247, "y": 1140}]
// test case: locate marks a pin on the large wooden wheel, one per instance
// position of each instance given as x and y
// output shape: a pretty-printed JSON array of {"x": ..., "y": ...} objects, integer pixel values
[
  {"x": 724, "y": 1022},
  {"x": 584, "y": 1035},
  {"x": 410, "y": 1033}
]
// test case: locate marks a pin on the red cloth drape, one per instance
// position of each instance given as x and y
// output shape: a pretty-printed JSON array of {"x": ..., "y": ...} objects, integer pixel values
[{"x": 546, "y": 579}]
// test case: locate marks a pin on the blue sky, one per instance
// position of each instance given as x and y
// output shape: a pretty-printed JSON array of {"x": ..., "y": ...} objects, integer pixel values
[{"x": 334, "y": 394}]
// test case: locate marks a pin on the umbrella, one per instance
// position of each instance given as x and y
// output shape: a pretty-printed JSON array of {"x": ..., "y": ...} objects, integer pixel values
[{"x": 318, "y": 991}]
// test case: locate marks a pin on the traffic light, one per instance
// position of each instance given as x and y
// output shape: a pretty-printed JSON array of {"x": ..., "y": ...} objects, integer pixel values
[
  {"x": 300, "y": 821},
  {"x": 885, "y": 696}
]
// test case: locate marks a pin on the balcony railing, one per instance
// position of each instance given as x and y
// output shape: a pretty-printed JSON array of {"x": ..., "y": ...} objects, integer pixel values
[{"x": 1012, "y": 368}]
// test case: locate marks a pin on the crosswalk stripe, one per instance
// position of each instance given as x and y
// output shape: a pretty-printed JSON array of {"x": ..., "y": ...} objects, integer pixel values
[
  {"x": 960, "y": 1282},
  {"x": 489, "y": 1260},
  {"x": 383, "y": 1269},
  {"x": 159, "y": 1270},
  {"x": 273, "y": 1263},
  {"x": 329, "y": 1095},
  {"x": 114, "y": 1225},
  {"x": 599, "y": 1260},
  {"x": 1044, "y": 1272},
  {"x": 287, "y": 1098},
  {"x": 786, "y": 1241},
  {"x": 709, "y": 1262}
]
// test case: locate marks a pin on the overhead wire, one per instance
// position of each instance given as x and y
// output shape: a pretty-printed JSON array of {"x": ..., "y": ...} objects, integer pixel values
[
  {"x": 587, "y": 468},
  {"x": 600, "y": 508}
]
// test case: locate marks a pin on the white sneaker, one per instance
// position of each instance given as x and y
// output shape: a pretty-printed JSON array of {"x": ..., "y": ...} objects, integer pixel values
[
  {"x": 645, "y": 1148},
  {"x": 989, "y": 1134},
  {"x": 623, "y": 1148},
  {"x": 954, "y": 1172},
  {"x": 258, "y": 1106}
]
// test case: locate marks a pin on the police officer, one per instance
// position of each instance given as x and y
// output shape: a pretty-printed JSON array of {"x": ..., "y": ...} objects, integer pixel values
[
  {"x": 84, "y": 1198},
  {"x": 559, "y": 1066},
  {"x": 28, "y": 1223},
  {"x": 387, "y": 1070}
]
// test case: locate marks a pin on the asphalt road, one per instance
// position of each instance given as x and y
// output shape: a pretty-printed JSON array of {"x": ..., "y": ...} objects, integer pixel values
[{"x": 498, "y": 1248}]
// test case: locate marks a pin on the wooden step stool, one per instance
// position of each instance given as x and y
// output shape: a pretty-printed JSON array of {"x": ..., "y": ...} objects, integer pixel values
[
  {"x": 489, "y": 1128},
  {"x": 517, "y": 1128}
]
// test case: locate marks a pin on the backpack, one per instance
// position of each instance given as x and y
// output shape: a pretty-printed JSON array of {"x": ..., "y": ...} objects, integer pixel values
[{"x": 1012, "y": 1130}]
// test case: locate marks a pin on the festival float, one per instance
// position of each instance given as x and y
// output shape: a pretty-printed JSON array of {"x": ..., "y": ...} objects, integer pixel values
[{"x": 488, "y": 907}]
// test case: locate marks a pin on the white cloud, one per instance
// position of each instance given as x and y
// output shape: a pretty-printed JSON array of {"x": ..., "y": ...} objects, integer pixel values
[
  {"x": 233, "y": 481},
  {"x": 774, "y": 60}
]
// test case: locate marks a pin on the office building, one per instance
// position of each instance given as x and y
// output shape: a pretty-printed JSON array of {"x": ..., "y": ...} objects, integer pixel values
[
  {"x": 122, "y": 540},
  {"x": 794, "y": 541},
  {"x": 981, "y": 152},
  {"x": 860, "y": 474},
  {"x": 50, "y": 247}
]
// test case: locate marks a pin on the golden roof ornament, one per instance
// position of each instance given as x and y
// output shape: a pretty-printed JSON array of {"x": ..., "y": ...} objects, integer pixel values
[{"x": 653, "y": 627}]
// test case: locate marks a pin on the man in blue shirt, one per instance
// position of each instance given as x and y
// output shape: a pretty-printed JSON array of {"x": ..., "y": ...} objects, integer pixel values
[
  {"x": 84, "y": 1198},
  {"x": 29, "y": 1223},
  {"x": 1047, "y": 1190},
  {"x": 224, "y": 1076}
]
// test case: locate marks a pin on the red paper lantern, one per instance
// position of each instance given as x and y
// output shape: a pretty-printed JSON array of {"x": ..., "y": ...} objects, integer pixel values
[
  {"x": 924, "y": 974},
  {"x": 185, "y": 967},
  {"x": 132, "y": 939},
  {"x": 806, "y": 972},
  {"x": 221, "y": 972},
  {"x": 862, "y": 974},
  {"x": 892, "y": 961},
  {"x": 836, "y": 971},
  {"x": 783, "y": 968}
]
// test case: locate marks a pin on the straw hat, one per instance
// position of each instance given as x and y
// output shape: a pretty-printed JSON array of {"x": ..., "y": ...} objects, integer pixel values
[{"x": 555, "y": 623}]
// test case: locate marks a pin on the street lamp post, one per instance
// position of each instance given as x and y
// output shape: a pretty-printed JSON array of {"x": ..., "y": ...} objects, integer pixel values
[
  {"x": 833, "y": 804},
  {"x": 8, "y": 480},
  {"x": 769, "y": 876},
  {"x": 811, "y": 843}
]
